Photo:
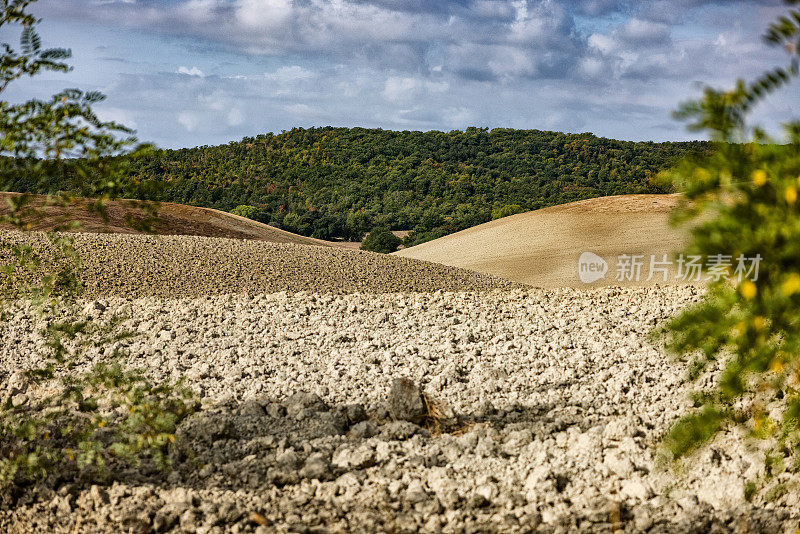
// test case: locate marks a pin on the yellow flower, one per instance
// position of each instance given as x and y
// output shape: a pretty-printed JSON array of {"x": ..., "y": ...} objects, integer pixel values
[
  {"x": 759, "y": 322},
  {"x": 776, "y": 366},
  {"x": 791, "y": 285},
  {"x": 791, "y": 194},
  {"x": 740, "y": 327},
  {"x": 748, "y": 289},
  {"x": 759, "y": 177}
]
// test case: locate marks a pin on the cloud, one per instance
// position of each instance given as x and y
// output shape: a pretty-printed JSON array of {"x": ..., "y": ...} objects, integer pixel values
[
  {"x": 595, "y": 8},
  {"x": 393, "y": 35},
  {"x": 643, "y": 32},
  {"x": 235, "y": 117},
  {"x": 188, "y": 120},
  {"x": 398, "y": 89},
  {"x": 118, "y": 115},
  {"x": 615, "y": 67},
  {"x": 194, "y": 71}
]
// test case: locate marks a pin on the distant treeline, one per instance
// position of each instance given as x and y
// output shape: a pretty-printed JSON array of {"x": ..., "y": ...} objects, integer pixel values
[{"x": 341, "y": 182}]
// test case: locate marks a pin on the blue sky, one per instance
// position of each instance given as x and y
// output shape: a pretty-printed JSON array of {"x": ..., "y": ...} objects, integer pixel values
[{"x": 192, "y": 72}]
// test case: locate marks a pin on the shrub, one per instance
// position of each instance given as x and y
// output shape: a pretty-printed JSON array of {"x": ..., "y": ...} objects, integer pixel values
[
  {"x": 746, "y": 193},
  {"x": 381, "y": 239},
  {"x": 505, "y": 211},
  {"x": 248, "y": 212},
  {"x": 89, "y": 421}
]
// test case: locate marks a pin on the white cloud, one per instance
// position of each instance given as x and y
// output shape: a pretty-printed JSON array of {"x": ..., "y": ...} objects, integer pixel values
[
  {"x": 493, "y": 9},
  {"x": 188, "y": 120},
  {"x": 216, "y": 100},
  {"x": 198, "y": 11},
  {"x": 118, "y": 115},
  {"x": 194, "y": 71},
  {"x": 593, "y": 67},
  {"x": 643, "y": 31},
  {"x": 263, "y": 14},
  {"x": 512, "y": 62},
  {"x": 235, "y": 117},
  {"x": 602, "y": 43},
  {"x": 398, "y": 88},
  {"x": 459, "y": 117},
  {"x": 428, "y": 64}
]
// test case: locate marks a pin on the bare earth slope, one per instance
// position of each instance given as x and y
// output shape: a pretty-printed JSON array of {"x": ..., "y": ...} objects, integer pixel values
[
  {"x": 192, "y": 266},
  {"x": 174, "y": 219},
  {"x": 541, "y": 247}
]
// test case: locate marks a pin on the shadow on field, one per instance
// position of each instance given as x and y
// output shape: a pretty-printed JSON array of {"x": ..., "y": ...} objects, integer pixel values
[{"x": 301, "y": 465}]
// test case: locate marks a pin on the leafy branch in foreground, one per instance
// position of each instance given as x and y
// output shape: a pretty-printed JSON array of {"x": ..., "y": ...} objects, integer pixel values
[
  {"x": 746, "y": 194},
  {"x": 56, "y": 420}
]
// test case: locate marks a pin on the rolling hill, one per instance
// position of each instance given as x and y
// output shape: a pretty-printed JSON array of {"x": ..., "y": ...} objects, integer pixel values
[
  {"x": 542, "y": 247},
  {"x": 339, "y": 183},
  {"x": 174, "y": 219}
]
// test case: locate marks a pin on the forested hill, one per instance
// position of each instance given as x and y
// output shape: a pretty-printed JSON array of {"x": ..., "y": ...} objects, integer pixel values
[{"x": 340, "y": 182}]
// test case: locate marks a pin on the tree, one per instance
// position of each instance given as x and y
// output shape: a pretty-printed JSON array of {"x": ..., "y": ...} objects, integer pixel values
[
  {"x": 439, "y": 182},
  {"x": 110, "y": 415},
  {"x": 248, "y": 212},
  {"x": 381, "y": 239},
  {"x": 747, "y": 332},
  {"x": 505, "y": 211}
]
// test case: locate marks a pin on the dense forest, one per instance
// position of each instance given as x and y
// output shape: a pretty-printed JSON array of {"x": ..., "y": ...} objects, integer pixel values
[{"x": 340, "y": 182}]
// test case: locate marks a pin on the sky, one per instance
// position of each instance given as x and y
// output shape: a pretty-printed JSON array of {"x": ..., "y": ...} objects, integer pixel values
[{"x": 186, "y": 73}]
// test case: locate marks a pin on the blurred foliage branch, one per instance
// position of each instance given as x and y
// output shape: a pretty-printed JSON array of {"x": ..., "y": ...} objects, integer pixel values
[
  {"x": 56, "y": 418},
  {"x": 744, "y": 336}
]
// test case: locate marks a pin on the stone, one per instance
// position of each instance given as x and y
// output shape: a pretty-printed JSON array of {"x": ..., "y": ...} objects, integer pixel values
[
  {"x": 401, "y": 430},
  {"x": 17, "y": 383},
  {"x": 99, "y": 496},
  {"x": 364, "y": 430},
  {"x": 487, "y": 492},
  {"x": 180, "y": 496},
  {"x": 317, "y": 467},
  {"x": 168, "y": 516},
  {"x": 252, "y": 408},
  {"x": 405, "y": 401},
  {"x": 359, "y": 458},
  {"x": 415, "y": 492},
  {"x": 618, "y": 463},
  {"x": 287, "y": 459},
  {"x": 304, "y": 401},
  {"x": 635, "y": 489},
  {"x": 275, "y": 410},
  {"x": 354, "y": 414}
]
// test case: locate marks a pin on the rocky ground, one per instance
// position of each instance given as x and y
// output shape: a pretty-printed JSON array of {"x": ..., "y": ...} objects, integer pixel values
[
  {"x": 549, "y": 403},
  {"x": 194, "y": 266}
]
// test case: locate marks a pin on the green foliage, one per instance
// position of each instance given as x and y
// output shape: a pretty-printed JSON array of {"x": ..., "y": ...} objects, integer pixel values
[
  {"x": 746, "y": 193},
  {"x": 381, "y": 239},
  {"x": 31, "y": 59},
  {"x": 694, "y": 430},
  {"x": 108, "y": 415},
  {"x": 750, "y": 489},
  {"x": 249, "y": 212},
  {"x": 505, "y": 211},
  {"x": 335, "y": 183}
]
